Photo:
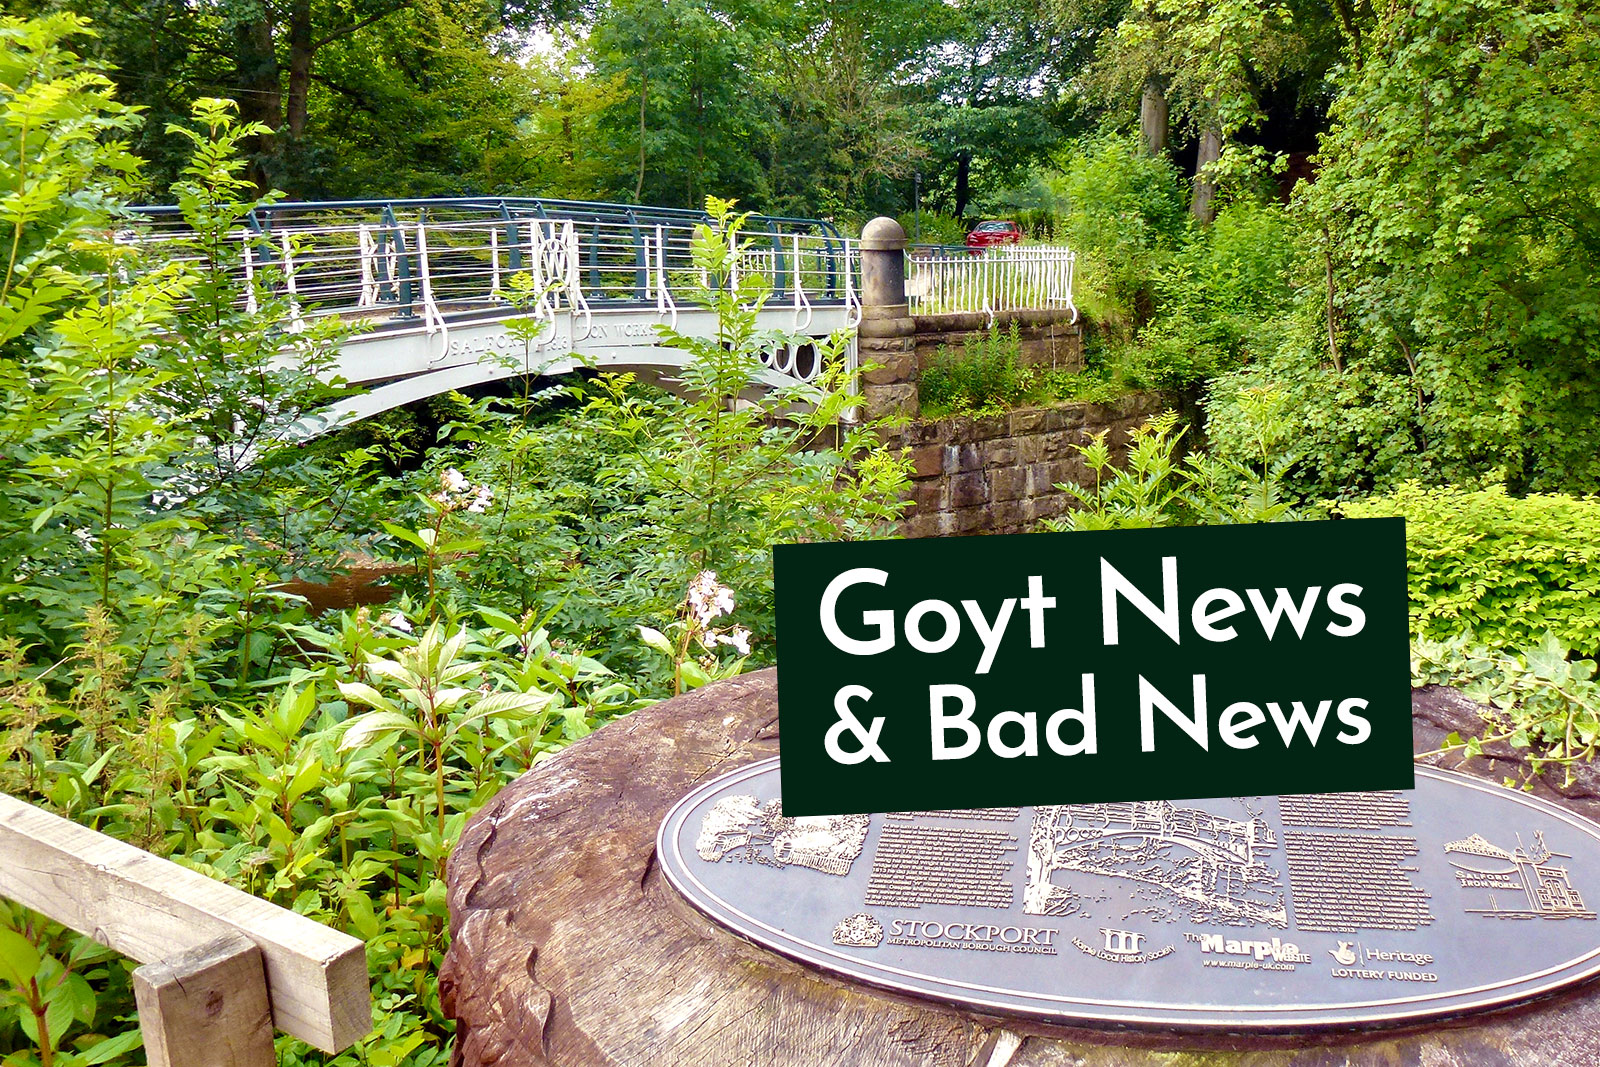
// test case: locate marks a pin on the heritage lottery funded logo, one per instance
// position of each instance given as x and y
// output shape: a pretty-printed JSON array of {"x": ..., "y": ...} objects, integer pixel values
[{"x": 1098, "y": 666}]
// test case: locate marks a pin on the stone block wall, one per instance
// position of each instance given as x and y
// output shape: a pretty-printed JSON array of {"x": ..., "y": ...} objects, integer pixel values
[
  {"x": 1048, "y": 339},
  {"x": 997, "y": 474}
]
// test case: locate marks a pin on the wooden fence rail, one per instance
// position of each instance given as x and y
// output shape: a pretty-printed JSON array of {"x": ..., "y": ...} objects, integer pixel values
[{"x": 220, "y": 969}]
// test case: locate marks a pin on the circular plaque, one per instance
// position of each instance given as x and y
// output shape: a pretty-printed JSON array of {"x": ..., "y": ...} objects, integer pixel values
[{"x": 1272, "y": 913}]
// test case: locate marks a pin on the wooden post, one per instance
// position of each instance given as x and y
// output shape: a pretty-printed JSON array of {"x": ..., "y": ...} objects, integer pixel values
[
  {"x": 150, "y": 909},
  {"x": 206, "y": 1007}
]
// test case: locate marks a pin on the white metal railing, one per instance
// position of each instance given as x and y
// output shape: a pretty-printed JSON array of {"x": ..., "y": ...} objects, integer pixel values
[
  {"x": 1003, "y": 278},
  {"x": 441, "y": 265}
]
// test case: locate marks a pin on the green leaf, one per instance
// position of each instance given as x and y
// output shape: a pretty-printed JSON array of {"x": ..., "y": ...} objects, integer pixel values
[
  {"x": 500, "y": 621},
  {"x": 694, "y": 676},
  {"x": 361, "y": 693},
  {"x": 306, "y": 779},
  {"x": 422, "y": 539},
  {"x": 18, "y": 958},
  {"x": 362, "y": 916},
  {"x": 363, "y": 729},
  {"x": 112, "y": 1047},
  {"x": 60, "y": 1013},
  {"x": 657, "y": 640},
  {"x": 500, "y": 703}
]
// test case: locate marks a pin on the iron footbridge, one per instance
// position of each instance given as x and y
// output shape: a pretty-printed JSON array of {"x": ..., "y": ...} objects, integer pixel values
[{"x": 440, "y": 294}]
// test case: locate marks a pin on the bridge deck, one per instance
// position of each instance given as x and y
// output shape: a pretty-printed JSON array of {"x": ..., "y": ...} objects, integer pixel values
[{"x": 429, "y": 287}]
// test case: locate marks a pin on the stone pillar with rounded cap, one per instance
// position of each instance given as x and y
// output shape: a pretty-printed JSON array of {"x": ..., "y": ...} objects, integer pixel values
[{"x": 887, "y": 336}]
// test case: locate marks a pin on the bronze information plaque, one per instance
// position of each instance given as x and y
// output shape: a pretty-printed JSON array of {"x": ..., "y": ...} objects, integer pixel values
[{"x": 1268, "y": 912}]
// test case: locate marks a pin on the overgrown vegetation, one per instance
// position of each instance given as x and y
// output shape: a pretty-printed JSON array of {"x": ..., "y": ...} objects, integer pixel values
[
  {"x": 156, "y": 683},
  {"x": 987, "y": 377},
  {"x": 1541, "y": 699},
  {"x": 1157, "y": 484}
]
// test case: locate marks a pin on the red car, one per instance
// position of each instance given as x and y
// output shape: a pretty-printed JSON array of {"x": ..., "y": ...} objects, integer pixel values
[{"x": 994, "y": 232}]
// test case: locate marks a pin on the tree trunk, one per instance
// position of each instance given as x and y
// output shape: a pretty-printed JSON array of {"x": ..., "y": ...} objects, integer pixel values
[
  {"x": 1352, "y": 30},
  {"x": 963, "y": 177},
  {"x": 644, "y": 96},
  {"x": 1153, "y": 115},
  {"x": 301, "y": 51},
  {"x": 698, "y": 173},
  {"x": 260, "y": 99},
  {"x": 1205, "y": 187}
]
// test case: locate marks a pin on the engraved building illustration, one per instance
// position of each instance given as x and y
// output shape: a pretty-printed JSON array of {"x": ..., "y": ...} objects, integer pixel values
[
  {"x": 1546, "y": 888},
  {"x": 761, "y": 833},
  {"x": 1206, "y": 866}
]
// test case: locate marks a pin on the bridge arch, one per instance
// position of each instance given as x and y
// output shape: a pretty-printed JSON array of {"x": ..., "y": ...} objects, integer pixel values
[{"x": 431, "y": 288}]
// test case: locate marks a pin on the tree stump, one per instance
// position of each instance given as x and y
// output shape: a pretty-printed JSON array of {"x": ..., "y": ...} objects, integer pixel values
[{"x": 570, "y": 949}]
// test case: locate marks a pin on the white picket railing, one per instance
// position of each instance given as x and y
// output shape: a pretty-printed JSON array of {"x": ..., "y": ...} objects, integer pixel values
[
  {"x": 442, "y": 264},
  {"x": 1002, "y": 278}
]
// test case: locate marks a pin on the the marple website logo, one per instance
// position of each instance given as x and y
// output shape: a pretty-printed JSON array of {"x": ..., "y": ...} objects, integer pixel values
[{"x": 1114, "y": 665}]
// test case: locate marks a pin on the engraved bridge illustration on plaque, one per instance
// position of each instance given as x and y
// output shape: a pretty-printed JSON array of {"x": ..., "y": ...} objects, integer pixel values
[{"x": 1275, "y": 913}]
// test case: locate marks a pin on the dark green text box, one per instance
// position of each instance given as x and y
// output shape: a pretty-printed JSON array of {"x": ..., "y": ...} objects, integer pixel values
[{"x": 908, "y": 619}]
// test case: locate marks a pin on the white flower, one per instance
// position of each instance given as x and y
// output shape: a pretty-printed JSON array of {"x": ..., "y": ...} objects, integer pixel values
[
  {"x": 454, "y": 480},
  {"x": 708, "y": 598},
  {"x": 480, "y": 502},
  {"x": 738, "y": 637},
  {"x": 398, "y": 622}
]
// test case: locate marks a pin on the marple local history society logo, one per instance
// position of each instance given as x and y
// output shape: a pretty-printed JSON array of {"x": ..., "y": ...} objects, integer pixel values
[{"x": 1122, "y": 946}]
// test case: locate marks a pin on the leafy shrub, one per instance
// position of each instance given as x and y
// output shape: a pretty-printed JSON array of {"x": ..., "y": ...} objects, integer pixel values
[
  {"x": 1541, "y": 699},
  {"x": 1356, "y": 431},
  {"x": 936, "y": 228},
  {"x": 1123, "y": 211},
  {"x": 338, "y": 795},
  {"x": 1086, "y": 386},
  {"x": 986, "y": 376},
  {"x": 1159, "y": 486},
  {"x": 1504, "y": 569},
  {"x": 1219, "y": 300},
  {"x": 1456, "y": 264}
]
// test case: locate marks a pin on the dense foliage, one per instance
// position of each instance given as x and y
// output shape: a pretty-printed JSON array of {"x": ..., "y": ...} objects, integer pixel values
[
  {"x": 1542, "y": 698},
  {"x": 606, "y": 509},
  {"x": 1505, "y": 569},
  {"x": 810, "y": 108},
  {"x": 1355, "y": 244},
  {"x": 987, "y": 376},
  {"x": 1464, "y": 256},
  {"x": 159, "y": 685}
]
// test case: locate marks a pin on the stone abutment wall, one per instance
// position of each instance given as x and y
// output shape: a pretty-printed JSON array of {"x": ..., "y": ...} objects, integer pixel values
[
  {"x": 1047, "y": 339},
  {"x": 997, "y": 474}
]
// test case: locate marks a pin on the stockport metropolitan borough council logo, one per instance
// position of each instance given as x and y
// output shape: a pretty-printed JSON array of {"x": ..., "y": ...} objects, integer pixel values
[{"x": 859, "y": 931}]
